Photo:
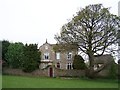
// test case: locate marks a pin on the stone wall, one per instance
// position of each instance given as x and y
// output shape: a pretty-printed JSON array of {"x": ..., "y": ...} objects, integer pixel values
[
  {"x": 74, "y": 73},
  {"x": 21, "y": 73},
  {"x": 45, "y": 72}
]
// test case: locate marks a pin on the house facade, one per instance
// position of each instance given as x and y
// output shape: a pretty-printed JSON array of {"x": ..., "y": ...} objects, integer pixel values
[
  {"x": 60, "y": 59},
  {"x": 58, "y": 62}
]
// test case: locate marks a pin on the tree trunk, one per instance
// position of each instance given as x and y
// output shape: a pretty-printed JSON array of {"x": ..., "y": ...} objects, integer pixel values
[{"x": 90, "y": 71}]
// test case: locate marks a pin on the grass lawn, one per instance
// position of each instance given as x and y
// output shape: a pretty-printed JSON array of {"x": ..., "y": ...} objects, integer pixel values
[
  {"x": 0, "y": 81},
  {"x": 44, "y": 82}
]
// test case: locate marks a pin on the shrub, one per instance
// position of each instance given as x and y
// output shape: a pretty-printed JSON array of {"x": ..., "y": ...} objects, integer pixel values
[
  {"x": 78, "y": 63},
  {"x": 113, "y": 71}
]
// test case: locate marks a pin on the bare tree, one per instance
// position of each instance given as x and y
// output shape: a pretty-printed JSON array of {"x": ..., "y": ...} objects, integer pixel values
[{"x": 93, "y": 30}]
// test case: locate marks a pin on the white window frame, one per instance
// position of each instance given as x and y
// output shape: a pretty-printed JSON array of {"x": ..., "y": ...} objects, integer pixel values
[
  {"x": 59, "y": 64},
  {"x": 58, "y": 55},
  {"x": 69, "y": 55},
  {"x": 46, "y": 55},
  {"x": 69, "y": 65}
]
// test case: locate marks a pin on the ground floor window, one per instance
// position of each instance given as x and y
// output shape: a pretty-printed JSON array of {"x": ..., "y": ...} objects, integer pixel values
[
  {"x": 69, "y": 66},
  {"x": 58, "y": 65},
  {"x": 96, "y": 66}
]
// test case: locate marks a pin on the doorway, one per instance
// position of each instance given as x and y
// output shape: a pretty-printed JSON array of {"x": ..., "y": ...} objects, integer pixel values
[{"x": 51, "y": 72}]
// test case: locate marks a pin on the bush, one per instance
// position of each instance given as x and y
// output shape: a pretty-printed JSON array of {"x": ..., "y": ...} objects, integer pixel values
[
  {"x": 78, "y": 63},
  {"x": 29, "y": 68},
  {"x": 113, "y": 71}
]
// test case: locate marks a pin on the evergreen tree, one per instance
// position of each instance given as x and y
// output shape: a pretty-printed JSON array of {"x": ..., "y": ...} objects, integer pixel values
[
  {"x": 32, "y": 58},
  {"x": 78, "y": 63},
  {"x": 5, "y": 45}
]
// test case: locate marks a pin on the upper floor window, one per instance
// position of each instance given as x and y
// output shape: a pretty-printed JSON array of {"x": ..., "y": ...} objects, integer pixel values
[
  {"x": 69, "y": 55},
  {"x": 57, "y": 55},
  {"x": 46, "y": 55}
]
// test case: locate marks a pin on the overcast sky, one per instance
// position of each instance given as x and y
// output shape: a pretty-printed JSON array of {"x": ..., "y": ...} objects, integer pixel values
[{"x": 32, "y": 21}]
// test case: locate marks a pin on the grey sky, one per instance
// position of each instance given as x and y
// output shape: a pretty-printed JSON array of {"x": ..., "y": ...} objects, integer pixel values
[
  {"x": 32, "y": 21},
  {"x": 119, "y": 8}
]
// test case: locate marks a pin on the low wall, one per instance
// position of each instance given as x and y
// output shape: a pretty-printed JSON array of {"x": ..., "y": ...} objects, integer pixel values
[
  {"x": 21, "y": 73},
  {"x": 45, "y": 72},
  {"x": 74, "y": 73}
]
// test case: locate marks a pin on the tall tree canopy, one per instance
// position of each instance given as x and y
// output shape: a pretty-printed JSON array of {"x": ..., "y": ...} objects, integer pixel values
[
  {"x": 18, "y": 55},
  {"x": 92, "y": 30},
  {"x": 5, "y": 45},
  {"x": 15, "y": 55},
  {"x": 32, "y": 58}
]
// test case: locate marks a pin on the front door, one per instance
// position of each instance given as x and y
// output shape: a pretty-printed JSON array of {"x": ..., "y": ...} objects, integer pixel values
[{"x": 51, "y": 72}]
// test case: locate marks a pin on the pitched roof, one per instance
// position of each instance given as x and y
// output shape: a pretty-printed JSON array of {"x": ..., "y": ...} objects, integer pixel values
[
  {"x": 61, "y": 47},
  {"x": 103, "y": 59},
  {"x": 64, "y": 47}
]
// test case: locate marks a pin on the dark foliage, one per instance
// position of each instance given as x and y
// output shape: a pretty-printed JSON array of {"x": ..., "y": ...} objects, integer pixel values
[
  {"x": 5, "y": 45},
  {"x": 14, "y": 55},
  {"x": 32, "y": 58},
  {"x": 78, "y": 63}
]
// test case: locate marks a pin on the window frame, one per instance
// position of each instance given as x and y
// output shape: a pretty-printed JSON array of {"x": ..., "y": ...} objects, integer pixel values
[
  {"x": 69, "y": 66},
  {"x": 57, "y": 56},
  {"x": 58, "y": 65},
  {"x": 46, "y": 56},
  {"x": 69, "y": 55}
]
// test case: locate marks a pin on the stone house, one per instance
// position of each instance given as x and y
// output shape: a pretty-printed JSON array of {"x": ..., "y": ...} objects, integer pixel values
[
  {"x": 60, "y": 59},
  {"x": 57, "y": 62}
]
